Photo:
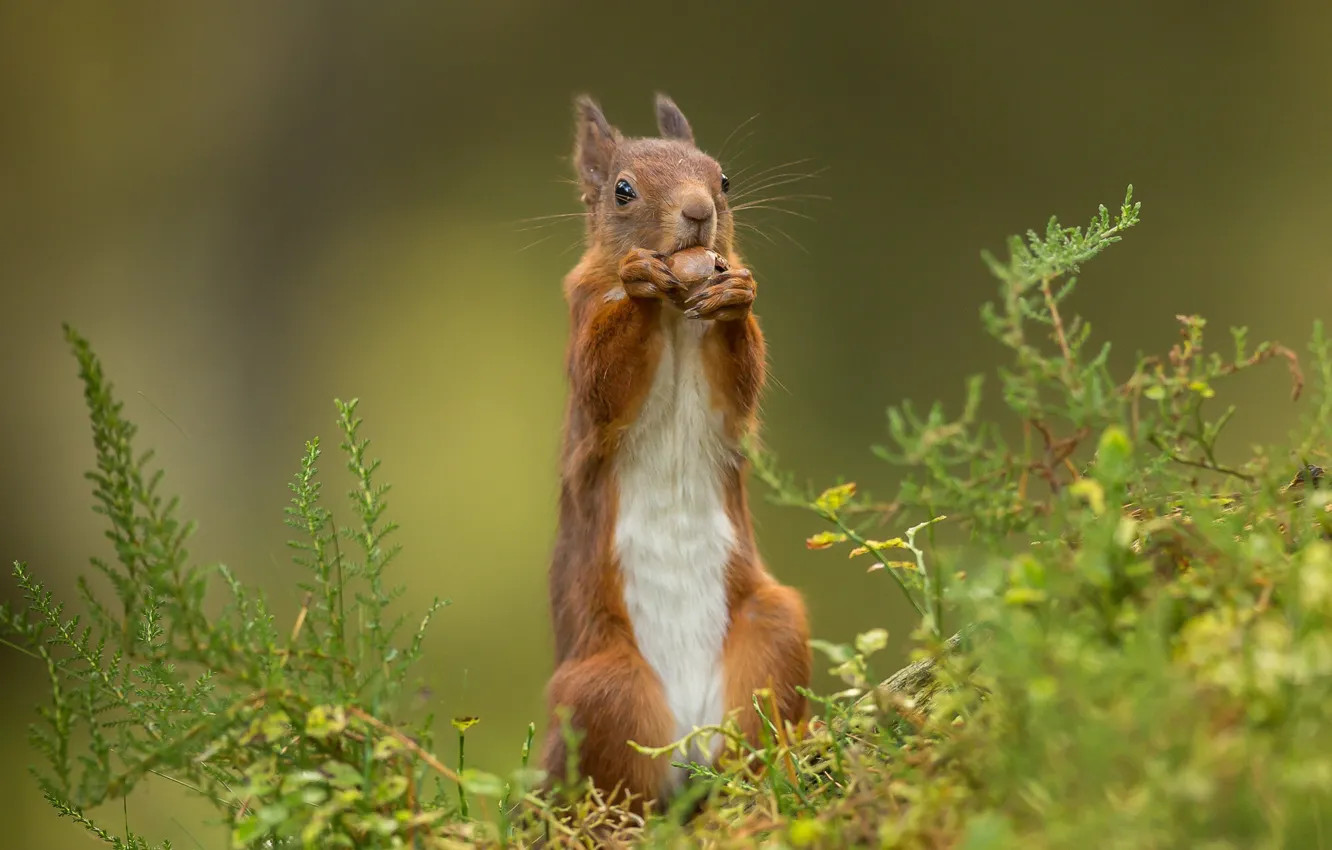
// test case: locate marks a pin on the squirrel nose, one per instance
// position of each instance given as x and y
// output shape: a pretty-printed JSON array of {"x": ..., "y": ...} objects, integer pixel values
[{"x": 697, "y": 208}]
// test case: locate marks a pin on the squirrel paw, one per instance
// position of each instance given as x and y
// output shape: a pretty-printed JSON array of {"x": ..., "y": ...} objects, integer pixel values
[
  {"x": 727, "y": 297},
  {"x": 647, "y": 274}
]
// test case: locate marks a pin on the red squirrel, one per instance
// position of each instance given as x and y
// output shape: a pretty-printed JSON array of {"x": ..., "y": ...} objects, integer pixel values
[{"x": 665, "y": 617}]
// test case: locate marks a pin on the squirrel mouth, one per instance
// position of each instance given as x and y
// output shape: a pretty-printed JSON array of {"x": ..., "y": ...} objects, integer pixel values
[{"x": 699, "y": 238}]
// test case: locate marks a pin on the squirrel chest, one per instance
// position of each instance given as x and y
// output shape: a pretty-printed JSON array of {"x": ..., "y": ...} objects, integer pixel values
[{"x": 673, "y": 536}]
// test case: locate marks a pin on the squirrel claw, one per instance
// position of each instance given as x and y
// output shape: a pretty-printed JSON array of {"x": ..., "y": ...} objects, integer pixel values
[
  {"x": 647, "y": 274},
  {"x": 726, "y": 297}
]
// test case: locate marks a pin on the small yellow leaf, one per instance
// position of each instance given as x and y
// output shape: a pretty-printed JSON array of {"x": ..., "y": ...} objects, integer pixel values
[
  {"x": 1092, "y": 492},
  {"x": 323, "y": 721},
  {"x": 824, "y": 539},
  {"x": 878, "y": 546},
  {"x": 832, "y": 499},
  {"x": 462, "y": 724},
  {"x": 805, "y": 832},
  {"x": 901, "y": 565},
  {"x": 1024, "y": 596},
  {"x": 387, "y": 747}
]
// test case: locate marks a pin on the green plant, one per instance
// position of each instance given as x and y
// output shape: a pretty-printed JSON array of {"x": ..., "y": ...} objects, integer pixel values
[
  {"x": 1142, "y": 653},
  {"x": 1148, "y": 649},
  {"x": 294, "y": 732}
]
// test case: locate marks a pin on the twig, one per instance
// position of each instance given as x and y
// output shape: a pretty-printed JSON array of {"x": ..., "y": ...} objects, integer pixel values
[
  {"x": 1198, "y": 464},
  {"x": 1058, "y": 326},
  {"x": 1274, "y": 350},
  {"x": 873, "y": 550},
  {"x": 407, "y": 742},
  {"x": 914, "y": 678},
  {"x": 784, "y": 746}
]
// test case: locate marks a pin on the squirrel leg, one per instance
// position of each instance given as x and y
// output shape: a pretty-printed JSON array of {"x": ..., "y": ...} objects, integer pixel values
[
  {"x": 767, "y": 648},
  {"x": 735, "y": 359},
  {"x": 613, "y": 697},
  {"x": 613, "y": 357}
]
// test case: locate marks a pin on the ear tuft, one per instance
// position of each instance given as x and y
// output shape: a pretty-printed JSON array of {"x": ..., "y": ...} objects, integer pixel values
[
  {"x": 671, "y": 121},
  {"x": 595, "y": 141}
]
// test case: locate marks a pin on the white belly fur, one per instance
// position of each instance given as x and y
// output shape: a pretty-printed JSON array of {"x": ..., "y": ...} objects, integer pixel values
[{"x": 673, "y": 535}]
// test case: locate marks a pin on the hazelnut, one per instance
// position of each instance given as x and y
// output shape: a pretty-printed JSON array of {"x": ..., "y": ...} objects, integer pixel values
[{"x": 695, "y": 265}]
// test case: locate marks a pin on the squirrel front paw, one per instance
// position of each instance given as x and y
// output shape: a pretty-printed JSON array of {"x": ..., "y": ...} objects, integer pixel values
[
  {"x": 647, "y": 274},
  {"x": 726, "y": 297}
]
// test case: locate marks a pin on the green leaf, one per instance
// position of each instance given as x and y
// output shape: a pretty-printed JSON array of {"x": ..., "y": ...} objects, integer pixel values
[
  {"x": 389, "y": 789},
  {"x": 1025, "y": 596},
  {"x": 838, "y": 653},
  {"x": 342, "y": 775},
  {"x": 482, "y": 784},
  {"x": 324, "y": 721},
  {"x": 987, "y": 831},
  {"x": 871, "y": 641},
  {"x": 1114, "y": 457},
  {"x": 805, "y": 831}
]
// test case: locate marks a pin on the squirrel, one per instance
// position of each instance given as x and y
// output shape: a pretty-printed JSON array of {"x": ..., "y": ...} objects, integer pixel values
[{"x": 665, "y": 618}]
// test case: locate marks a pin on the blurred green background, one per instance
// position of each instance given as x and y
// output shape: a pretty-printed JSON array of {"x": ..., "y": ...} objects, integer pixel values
[{"x": 251, "y": 208}]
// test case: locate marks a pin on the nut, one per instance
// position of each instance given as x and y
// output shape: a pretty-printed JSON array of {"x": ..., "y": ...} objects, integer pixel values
[{"x": 695, "y": 265}]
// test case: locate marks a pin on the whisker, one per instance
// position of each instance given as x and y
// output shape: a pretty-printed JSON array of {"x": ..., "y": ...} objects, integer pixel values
[
  {"x": 536, "y": 243},
  {"x": 545, "y": 226},
  {"x": 790, "y": 238},
  {"x": 751, "y": 188},
  {"x": 572, "y": 245},
  {"x": 764, "y": 171},
  {"x": 775, "y": 180},
  {"x": 793, "y": 162},
  {"x": 777, "y": 209},
  {"x": 548, "y": 217},
  {"x": 755, "y": 229},
  {"x": 542, "y": 222},
  {"x": 738, "y": 128},
  {"x": 739, "y": 155},
  {"x": 742, "y": 149},
  {"x": 799, "y": 196},
  {"x": 774, "y": 183}
]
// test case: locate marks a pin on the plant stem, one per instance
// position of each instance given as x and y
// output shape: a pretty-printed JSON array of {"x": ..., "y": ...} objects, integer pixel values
[
  {"x": 462, "y": 793},
  {"x": 861, "y": 541}
]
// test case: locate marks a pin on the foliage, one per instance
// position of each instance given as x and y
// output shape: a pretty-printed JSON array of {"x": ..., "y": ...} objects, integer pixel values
[
  {"x": 1146, "y": 659},
  {"x": 293, "y": 732}
]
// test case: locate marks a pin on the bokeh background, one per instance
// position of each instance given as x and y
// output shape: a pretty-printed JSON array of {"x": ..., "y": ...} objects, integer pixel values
[{"x": 251, "y": 208}]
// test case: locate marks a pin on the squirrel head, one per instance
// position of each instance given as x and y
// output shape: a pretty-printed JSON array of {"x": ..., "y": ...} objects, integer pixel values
[{"x": 663, "y": 194}]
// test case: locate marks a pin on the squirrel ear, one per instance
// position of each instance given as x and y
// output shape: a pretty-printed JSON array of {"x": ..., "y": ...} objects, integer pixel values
[
  {"x": 594, "y": 146},
  {"x": 671, "y": 121}
]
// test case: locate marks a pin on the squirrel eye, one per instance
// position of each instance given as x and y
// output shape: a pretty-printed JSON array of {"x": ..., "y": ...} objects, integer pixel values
[
  {"x": 624, "y": 193},
  {"x": 726, "y": 184}
]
